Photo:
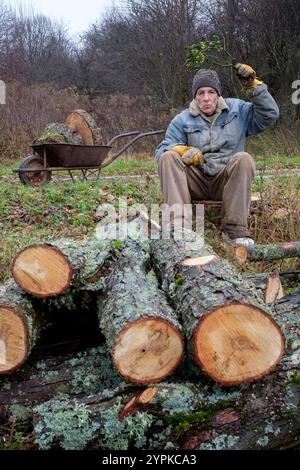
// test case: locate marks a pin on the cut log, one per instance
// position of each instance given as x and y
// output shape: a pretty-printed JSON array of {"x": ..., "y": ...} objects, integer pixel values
[
  {"x": 81, "y": 122},
  {"x": 274, "y": 289},
  {"x": 231, "y": 336},
  {"x": 49, "y": 270},
  {"x": 20, "y": 327},
  {"x": 269, "y": 284},
  {"x": 140, "y": 328},
  {"x": 42, "y": 270},
  {"x": 269, "y": 419},
  {"x": 267, "y": 252}
]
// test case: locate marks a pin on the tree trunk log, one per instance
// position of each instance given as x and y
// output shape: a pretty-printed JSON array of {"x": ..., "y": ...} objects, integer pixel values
[
  {"x": 20, "y": 327},
  {"x": 81, "y": 373},
  {"x": 141, "y": 329},
  {"x": 261, "y": 417},
  {"x": 231, "y": 336},
  {"x": 46, "y": 270},
  {"x": 267, "y": 252}
]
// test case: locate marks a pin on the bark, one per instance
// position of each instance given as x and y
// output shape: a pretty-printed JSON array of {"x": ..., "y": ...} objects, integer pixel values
[
  {"x": 20, "y": 327},
  {"x": 288, "y": 304},
  {"x": 264, "y": 416},
  {"x": 82, "y": 373},
  {"x": 141, "y": 329},
  {"x": 267, "y": 252},
  {"x": 269, "y": 284},
  {"x": 58, "y": 133},
  {"x": 219, "y": 312}
]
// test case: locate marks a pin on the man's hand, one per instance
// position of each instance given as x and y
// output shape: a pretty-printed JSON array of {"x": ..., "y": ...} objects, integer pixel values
[
  {"x": 247, "y": 77},
  {"x": 189, "y": 155}
]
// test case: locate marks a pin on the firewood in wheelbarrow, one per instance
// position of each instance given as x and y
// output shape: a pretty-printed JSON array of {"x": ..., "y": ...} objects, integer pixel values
[
  {"x": 84, "y": 124},
  {"x": 58, "y": 133}
]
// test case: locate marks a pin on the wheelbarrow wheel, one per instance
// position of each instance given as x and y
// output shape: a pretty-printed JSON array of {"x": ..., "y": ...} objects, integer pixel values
[{"x": 33, "y": 178}]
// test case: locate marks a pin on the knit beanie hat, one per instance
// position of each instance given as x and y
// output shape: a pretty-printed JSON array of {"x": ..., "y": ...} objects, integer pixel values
[{"x": 206, "y": 77}]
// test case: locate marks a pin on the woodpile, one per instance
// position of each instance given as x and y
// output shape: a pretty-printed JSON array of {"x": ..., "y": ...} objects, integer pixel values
[
  {"x": 227, "y": 325},
  {"x": 165, "y": 307},
  {"x": 79, "y": 128}
]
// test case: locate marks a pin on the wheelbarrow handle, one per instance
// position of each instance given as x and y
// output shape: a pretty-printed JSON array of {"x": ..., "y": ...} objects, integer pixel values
[
  {"x": 138, "y": 135},
  {"x": 127, "y": 134}
]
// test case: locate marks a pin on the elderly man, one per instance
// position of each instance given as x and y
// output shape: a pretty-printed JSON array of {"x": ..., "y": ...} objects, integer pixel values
[{"x": 202, "y": 155}]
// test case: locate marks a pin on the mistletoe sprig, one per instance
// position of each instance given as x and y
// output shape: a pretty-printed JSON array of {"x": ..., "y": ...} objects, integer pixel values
[{"x": 199, "y": 53}]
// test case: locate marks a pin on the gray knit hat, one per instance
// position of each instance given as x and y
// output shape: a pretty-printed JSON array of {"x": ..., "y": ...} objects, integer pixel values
[{"x": 206, "y": 77}]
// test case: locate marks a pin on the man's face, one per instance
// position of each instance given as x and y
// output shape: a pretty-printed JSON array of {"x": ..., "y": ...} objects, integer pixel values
[{"x": 207, "y": 100}]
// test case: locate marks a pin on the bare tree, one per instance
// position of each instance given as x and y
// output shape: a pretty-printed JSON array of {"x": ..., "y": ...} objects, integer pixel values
[
  {"x": 262, "y": 33},
  {"x": 34, "y": 48},
  {"x": 142, "y": 47}
]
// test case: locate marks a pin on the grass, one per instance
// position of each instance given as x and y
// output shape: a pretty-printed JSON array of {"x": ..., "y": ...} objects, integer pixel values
[
  {"x": 63, "y": 209},
  {"x": 146, "y": 164},
  {"x": 278, "y": 162},
  {"x": 29, "y": 215},
  {"x": 131, "y": 165}
]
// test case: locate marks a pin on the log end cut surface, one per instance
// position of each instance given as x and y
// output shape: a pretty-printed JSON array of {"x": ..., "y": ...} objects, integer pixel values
[
  {"x": 42, "y": 271},
  {"x": 241, "y": 253},
  {"x": 13, "y": 340},
  {"x": 82, "y": 122},
  {"x": 237, "y": 343},
  {"x": 148, "y": 350}
]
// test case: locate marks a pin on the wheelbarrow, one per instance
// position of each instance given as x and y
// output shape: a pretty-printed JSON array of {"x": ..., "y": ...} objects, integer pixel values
[{"x": 36, "y": 169}]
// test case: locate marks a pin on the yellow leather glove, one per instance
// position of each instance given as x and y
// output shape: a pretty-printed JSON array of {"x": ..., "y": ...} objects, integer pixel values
[
  {"x": 247, "y": 77},
  {"x": 189, "y": 155}
]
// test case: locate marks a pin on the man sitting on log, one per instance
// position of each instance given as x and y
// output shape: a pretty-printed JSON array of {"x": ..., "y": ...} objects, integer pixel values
[{"x": 202, "y": 155}]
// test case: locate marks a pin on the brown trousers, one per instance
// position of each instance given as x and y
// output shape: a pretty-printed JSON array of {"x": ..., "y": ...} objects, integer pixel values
[{"x": 181, "y": 184}]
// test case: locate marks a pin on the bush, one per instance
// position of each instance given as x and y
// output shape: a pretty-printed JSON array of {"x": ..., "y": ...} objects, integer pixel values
[{"x": 29, "y": 109}]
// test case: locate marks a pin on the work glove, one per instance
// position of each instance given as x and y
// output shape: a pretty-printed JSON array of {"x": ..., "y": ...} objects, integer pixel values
[
  {"x": 247, "y": 76},
  {"x": 189, "y": 155}
]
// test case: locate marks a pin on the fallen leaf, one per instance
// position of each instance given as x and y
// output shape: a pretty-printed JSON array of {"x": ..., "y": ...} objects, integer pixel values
[
  {"x": 227, "y": 416},
  {"x": 193, "y": 441}
]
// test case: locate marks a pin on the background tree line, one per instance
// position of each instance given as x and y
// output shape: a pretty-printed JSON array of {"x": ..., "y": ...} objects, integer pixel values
[{"x": 139, "y": 49}]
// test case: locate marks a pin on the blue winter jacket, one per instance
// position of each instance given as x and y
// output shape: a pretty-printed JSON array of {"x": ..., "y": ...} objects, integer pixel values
[{"x": 226, "y": 136}]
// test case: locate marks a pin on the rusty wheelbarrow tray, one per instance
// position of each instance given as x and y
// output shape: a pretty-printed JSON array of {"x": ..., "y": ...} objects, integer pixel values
[{"x": 36, "y": 169}]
